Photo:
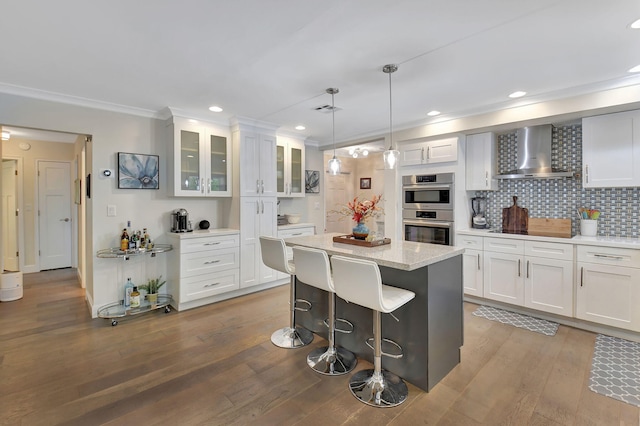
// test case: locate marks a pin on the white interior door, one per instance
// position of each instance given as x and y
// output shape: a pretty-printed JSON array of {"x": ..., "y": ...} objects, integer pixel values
[
  {"x": 9, "y": 216},
  {"x": 336, "y": 197},
  {"x": 54, "y": 199}
]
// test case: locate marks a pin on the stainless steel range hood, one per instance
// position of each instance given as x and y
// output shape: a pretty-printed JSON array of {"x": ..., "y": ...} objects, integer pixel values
[{"x": 534, "y": 155}]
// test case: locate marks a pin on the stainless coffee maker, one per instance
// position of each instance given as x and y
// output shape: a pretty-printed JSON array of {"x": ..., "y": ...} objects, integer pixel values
[
  {"x": 479, "y": 218},
  {"x": 180, "y": 221}
]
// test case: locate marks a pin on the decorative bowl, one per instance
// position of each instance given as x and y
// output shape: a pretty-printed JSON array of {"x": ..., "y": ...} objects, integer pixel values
[{"x": 293, "y": 217}]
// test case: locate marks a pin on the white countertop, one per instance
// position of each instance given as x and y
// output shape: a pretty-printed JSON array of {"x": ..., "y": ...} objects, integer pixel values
[
  {"x": 632, "y": 243},
  {"x": 404, "y": 255},
  {"x": 198, "y": 233}
]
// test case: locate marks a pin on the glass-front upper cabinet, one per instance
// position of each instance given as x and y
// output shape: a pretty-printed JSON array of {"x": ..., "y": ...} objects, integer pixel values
[
  {"x": 201, "y": 154},
  {"x": 290, "y": 167}
]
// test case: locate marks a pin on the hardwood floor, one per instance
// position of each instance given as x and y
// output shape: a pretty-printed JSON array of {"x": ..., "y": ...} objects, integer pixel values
[{"x": 215, "y": 365}]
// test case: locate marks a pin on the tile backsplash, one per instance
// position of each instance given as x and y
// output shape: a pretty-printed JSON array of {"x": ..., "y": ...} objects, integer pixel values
[{"x": 561, "y": 198}]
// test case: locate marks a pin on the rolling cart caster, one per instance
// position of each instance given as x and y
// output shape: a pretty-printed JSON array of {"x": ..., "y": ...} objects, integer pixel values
[
  {"x": 167, "y": 309},
  {"x": 114, "y": 323}
]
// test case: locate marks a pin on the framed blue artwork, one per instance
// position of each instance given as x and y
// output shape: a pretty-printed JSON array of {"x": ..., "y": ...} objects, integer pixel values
[{"x": 138, "y": 171}]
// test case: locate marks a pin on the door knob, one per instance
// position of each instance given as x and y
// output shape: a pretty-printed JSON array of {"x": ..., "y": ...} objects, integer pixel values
[{"x": 66, "y": 219}]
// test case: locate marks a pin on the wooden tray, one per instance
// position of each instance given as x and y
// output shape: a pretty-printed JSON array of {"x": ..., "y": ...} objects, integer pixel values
[{"x": 349, "y": 239}]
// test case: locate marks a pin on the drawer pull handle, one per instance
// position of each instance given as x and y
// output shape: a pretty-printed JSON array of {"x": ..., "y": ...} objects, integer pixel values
[
  {"x": 607, "y": 256},
  {"x": 519, "y": 270},
  {"x": 299, "y": 233},
  {"x": 581, "y": 276},
  {"x": 211, "y": 285},
  {"x": 210, "y": 262},
  {"x": 478, "y": 261},
  {"x": 527, "y": 269},
  {"x": 212, "y": 244}
]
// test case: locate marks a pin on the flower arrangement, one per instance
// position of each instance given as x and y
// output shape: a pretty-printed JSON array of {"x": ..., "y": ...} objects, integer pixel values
[{"x": 361, "y": 210}]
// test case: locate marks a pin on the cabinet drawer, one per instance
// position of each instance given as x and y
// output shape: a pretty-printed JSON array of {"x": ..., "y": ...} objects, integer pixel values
[
  {"x": 201, "y": 286},
  {"x": 209, "y": 261},
  {"x": 504, "y": 245},
  {"x": 609, "y": 256},
  {"x": 547, "y": 250},
  {"x": 191, "y": 245},
  {"x": 469, "y": 242},
  {"x": 298, "y": 232}
]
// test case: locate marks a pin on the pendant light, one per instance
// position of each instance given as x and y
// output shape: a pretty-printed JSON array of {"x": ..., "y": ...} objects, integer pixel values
[
  {"x": 392, "y": 155},
  {"x": 334, "y": 163}
]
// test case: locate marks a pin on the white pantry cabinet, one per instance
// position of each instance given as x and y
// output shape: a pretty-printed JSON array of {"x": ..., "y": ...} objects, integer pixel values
[
  {"x": 480, "y": 160},
  {"x": 611, "y": 150},
  {"x": 608, "y": 286},
  {"x": 290, "y": 167},
  {"x": 258, "y": 216},
  {"x": 472, "y": 264},
  {"x": 429, "y": 152},
  {"x": 200, "y": 159},
  {"x": 256, "y": 152}
]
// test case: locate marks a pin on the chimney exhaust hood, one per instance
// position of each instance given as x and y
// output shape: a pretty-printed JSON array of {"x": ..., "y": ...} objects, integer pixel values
[{"x": 534, "y": 155}]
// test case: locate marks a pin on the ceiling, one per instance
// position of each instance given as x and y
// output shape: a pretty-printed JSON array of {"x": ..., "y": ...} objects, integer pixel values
[{"x": 273, "y": 60}]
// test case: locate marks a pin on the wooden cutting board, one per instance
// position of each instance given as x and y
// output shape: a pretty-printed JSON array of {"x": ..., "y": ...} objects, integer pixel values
[
  {"x": 560, "y": 228},
  {"x": 515, "y": 219}
]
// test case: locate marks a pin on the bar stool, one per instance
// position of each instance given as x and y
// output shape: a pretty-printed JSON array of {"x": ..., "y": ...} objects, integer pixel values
[
  {"x": 274, "y": 255},
  {"x": 313, "y": 268},
  {"x": 358, "y": 281}
]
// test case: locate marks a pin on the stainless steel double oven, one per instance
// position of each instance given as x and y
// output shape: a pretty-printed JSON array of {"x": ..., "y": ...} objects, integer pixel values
[{"x": 427, "y": 208}]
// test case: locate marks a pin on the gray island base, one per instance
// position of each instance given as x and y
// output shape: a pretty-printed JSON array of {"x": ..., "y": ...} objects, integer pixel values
[{"x": 430, "y": 327}]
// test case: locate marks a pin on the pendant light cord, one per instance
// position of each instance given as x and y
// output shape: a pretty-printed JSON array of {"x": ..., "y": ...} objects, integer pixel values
[
  {"x": 333, "y": 123},
  {"x": 390, "y": 117}
]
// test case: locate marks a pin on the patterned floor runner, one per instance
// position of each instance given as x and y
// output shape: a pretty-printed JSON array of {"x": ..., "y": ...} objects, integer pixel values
[
  {"x": 615, "y": 370},
  {"x": 517, "y": 320}
]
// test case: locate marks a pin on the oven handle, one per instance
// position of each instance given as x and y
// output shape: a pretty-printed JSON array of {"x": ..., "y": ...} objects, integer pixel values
[
  {"x": 427, "y": 186},
  {"x": 431, "y": 224}
]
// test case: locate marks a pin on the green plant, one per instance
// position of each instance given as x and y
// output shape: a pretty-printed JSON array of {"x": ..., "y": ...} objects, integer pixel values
[{"x": 153, "y": 285}]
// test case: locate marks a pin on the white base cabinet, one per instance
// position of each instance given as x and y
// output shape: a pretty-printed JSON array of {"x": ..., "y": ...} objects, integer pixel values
[
  {"x": 608, "y": 286},
  {"x": 533, "y": 274},
  {"x": 203, "y": 265},
  {"x": 472, "y": 264}
]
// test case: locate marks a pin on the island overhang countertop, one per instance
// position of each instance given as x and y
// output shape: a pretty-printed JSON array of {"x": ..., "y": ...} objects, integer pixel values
[{"x": 403, "y": 255}]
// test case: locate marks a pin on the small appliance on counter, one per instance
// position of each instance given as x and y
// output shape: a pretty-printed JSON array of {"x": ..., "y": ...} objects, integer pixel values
[
  {"x": 282, "y": 220},
  {"x": 180, "y": 221},
  {"x": 479, "y": 208}
]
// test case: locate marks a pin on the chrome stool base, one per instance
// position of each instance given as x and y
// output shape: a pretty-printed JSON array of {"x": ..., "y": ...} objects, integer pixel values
[
  {"x": 291, "y": 338},
  {"x": 382, "y": 390},
  {"x": 331, "y": 363}
]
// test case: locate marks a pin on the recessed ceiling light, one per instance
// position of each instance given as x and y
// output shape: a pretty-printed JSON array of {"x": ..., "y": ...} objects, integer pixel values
[
  {"x": 215, "y": 108},
  {"x": 433, "y": 113},
  {"x": 635, "y": 69},
  {"x": 635, "y": 24},
  {"x": 300, "y": 127},
  {"x": 517, "y": 94}
]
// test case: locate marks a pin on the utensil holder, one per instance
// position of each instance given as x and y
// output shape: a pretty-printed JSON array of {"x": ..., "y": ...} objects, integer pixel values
[{"x": 588, "y": 227}]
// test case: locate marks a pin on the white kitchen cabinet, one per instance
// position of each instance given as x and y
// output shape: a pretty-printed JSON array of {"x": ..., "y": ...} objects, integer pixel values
[
  {"x": 290, "y": 167},
  {"x": 429, "y": 152},
  {"x": 549, "y": 277},
  {"x": 480, "y": 160},
  {"x": 255, "y": 149},
  {"x": 534, "y": 274},
  {"x": 611, "y": 150},
  {"x": 258, "y": 216},
  {"x": 472, "y": 264},
  {"x": 608, "y": 286},
  {"x": 203, "y": 265},
  {"x": 200, "y": 154},
  {"x": 289, "y": 231}
]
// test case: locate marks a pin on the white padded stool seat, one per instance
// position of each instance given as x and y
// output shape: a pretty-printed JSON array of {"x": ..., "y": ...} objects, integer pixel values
[
  {"x": 274, "y": 255},
  {"x": 358, "y": 281},
  {"x": 314, "y": 269}
]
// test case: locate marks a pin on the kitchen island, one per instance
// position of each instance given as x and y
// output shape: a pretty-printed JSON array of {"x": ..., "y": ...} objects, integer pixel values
[{"x": 429, "y": 328}]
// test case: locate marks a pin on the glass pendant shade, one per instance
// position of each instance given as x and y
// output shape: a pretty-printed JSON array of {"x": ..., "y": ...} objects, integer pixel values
[
  {"x": 390, "y": 158},
  {"x": 334, "y": 166}
]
